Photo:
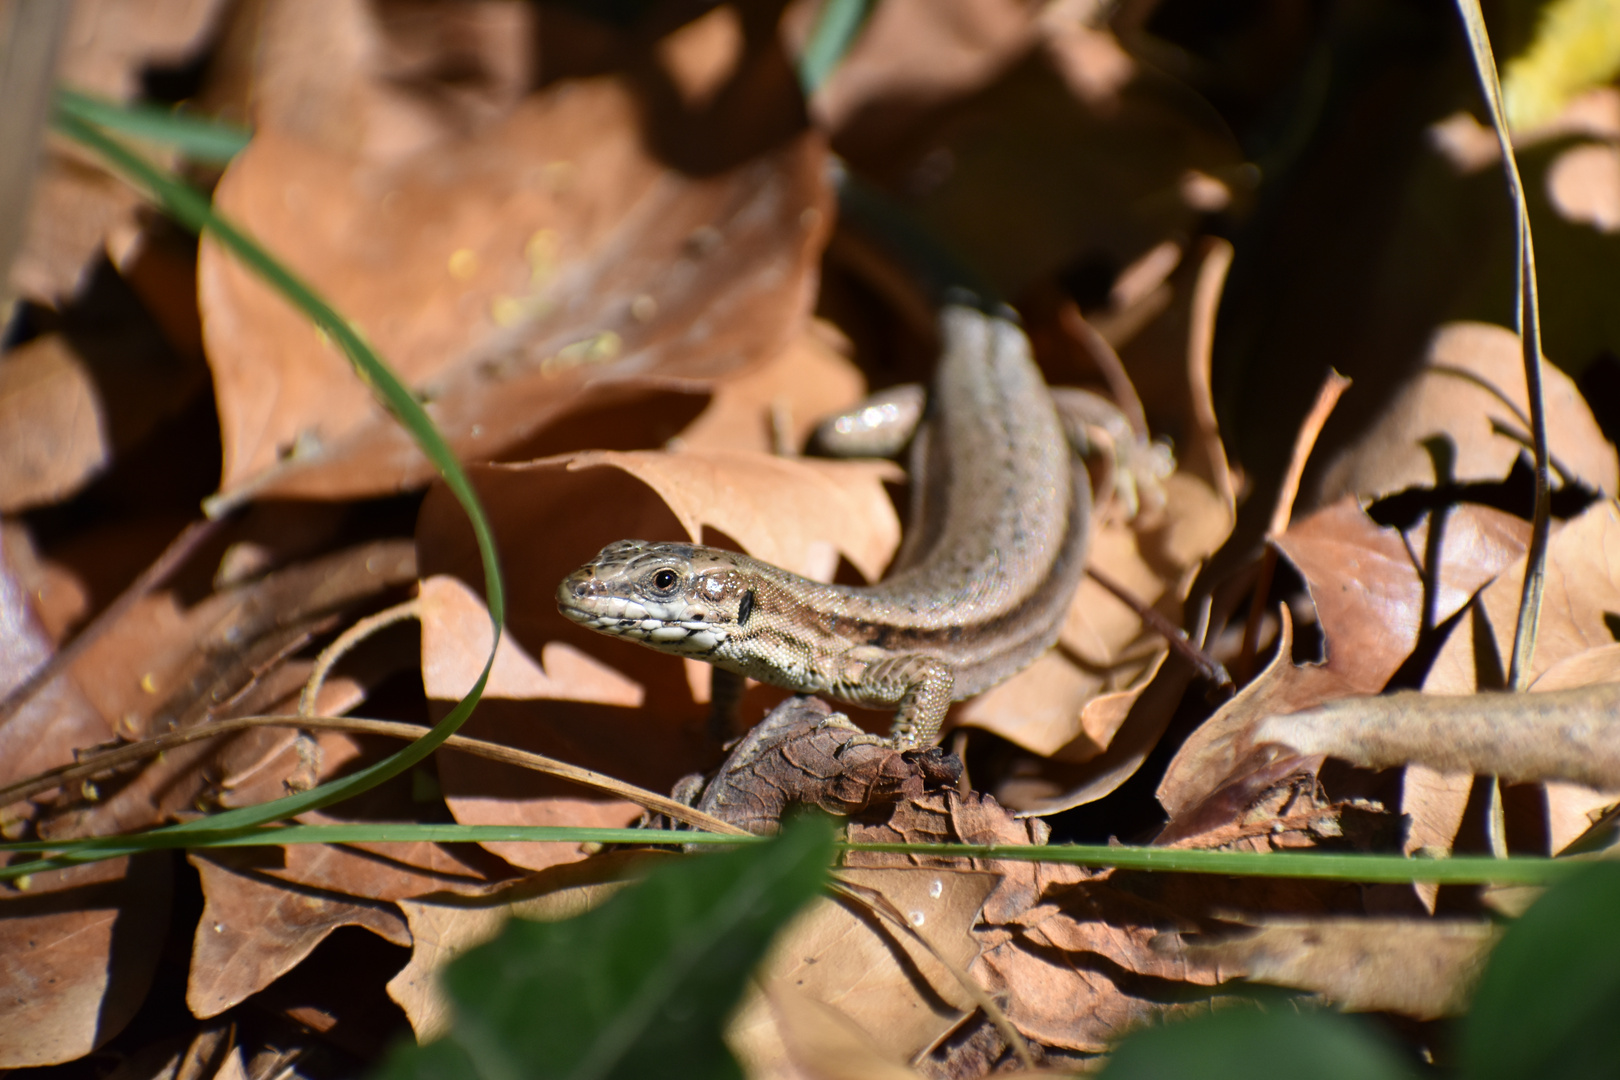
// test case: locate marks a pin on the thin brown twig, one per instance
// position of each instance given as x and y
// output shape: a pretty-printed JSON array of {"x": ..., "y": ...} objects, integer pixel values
[
  {"x": 354, "y": 635},
  {"x": 125, "y": 755},
  {"x": 1209, "y": 667},
  {"x": 1282, "y": 512}
]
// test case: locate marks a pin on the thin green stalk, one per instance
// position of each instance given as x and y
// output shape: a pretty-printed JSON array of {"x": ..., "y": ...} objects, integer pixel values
[
  {"x": 193, "y": 210},
  {"x": 198, "y": 138},
  {"x": 1528, "y": 318},
  {"x": 1458, "y": 870}
]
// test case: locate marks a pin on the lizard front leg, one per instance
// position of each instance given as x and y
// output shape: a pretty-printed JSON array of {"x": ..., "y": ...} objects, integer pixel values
[{"x": 917, "y": 686}]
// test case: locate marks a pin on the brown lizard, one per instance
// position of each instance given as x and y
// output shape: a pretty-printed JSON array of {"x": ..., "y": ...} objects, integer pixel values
[{"x": 1000, "y": 521}]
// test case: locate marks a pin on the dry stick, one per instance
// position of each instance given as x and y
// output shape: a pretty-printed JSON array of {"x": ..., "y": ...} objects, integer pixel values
[
  {"x": 1106, "y": 360},
  {"x": 1211, "y": 668},
  {"x": 880, "y": 905},
  {"x": 1282, "y": 513},
  {"x": 354, "y": 635},
  {"x": 125, "y": 755},
  {"x": 180, "y": 549}
]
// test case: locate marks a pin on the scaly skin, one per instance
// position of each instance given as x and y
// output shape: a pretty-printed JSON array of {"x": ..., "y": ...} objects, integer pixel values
[{"x": 995, "y": 551}]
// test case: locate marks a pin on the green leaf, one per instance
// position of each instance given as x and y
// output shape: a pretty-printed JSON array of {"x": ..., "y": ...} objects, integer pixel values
[
  {"x": 639, "y": 987},
  {"x": 1548, "y": 1002},
  {"x": 1240, "y": 1043}
]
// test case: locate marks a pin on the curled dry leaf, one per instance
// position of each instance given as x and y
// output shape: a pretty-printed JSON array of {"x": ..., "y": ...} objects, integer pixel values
[
  {"x": 1571, "y": 735},
  {"x": 1371, "y": 600},
  {"x": 1460, "y": 420},
  {"x": 1413, "y": 967},
  {"x": 601, "y": 703},
  {"x": 545, "y": 256}
]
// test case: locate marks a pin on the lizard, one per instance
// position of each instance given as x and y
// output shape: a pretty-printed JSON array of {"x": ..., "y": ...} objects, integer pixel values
[{"x": 997, "y": 545}]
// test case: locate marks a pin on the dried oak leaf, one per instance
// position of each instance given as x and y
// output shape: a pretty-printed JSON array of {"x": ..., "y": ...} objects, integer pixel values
[
  {"x": 1582, "y": 591},
  {"x": 266, "y": 910},
  {"x": 254, "y": 930},
  {"x": 602, "y": 703},
  {"x": 1461, "y": 420},
  {"x": 545, "y": 256}
]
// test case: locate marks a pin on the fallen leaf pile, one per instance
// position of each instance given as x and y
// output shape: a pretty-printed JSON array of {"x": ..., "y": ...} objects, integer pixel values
[{"x": 603, "y": 250}]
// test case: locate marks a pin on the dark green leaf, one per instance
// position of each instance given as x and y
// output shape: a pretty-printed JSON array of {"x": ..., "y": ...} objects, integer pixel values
[
  {"x": 1241, "y": 1043},
  {"x": 639, "y": 987},
  {"x": 1549, "y": 1000}
]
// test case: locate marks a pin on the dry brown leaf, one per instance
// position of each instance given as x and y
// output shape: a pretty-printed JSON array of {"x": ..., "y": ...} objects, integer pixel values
[
  {"x": 915, "y": 55},
  {"x": 1450, "y": 423},
  {"x": 1371, "y": 599},
  {"x": 382, "y": 81},
  {"x": 817, "y": 1042},
  {"x": 1476, "y": 543},
  {"x": 76, "y": 205},
  {"x": 895, "y": 991},
  {"x": 81, "y": 945},
  {"x": 1413, "y": 967},
  {"x": 1042, "y": 144},
  {"x": 806, "y": 382},
  {"x": 58, "y": 719},
  {"x": 1074, "y": 1002},
  {"x": 1582, "y": 589},
  {"x": 546, "y": 255},
  {"x": 1583, "y": 185},
  {"x": 53, "y": 436},
  {"x": 254, "y": 930}
]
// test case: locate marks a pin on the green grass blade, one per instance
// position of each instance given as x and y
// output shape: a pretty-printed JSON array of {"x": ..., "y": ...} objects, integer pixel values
[
  {"x": 1320, "y": 866},
  {"x": 209, "y": 141},
  {"x": 1529, "y": 327},
  {"x": 193, "y": 210},
  {"x": 639, "y": 987},
  {"x": 838, "y": 24}
]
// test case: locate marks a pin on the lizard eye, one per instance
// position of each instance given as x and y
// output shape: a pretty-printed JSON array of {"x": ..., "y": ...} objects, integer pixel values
[{"x": 665, "y": 580}]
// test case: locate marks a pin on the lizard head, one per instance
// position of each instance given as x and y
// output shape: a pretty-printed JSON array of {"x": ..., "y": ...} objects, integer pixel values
[{"x": 676, "y": 598}]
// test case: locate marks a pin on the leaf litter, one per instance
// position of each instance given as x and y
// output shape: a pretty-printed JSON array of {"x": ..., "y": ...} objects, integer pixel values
[{"x": 610, "y": 266}]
